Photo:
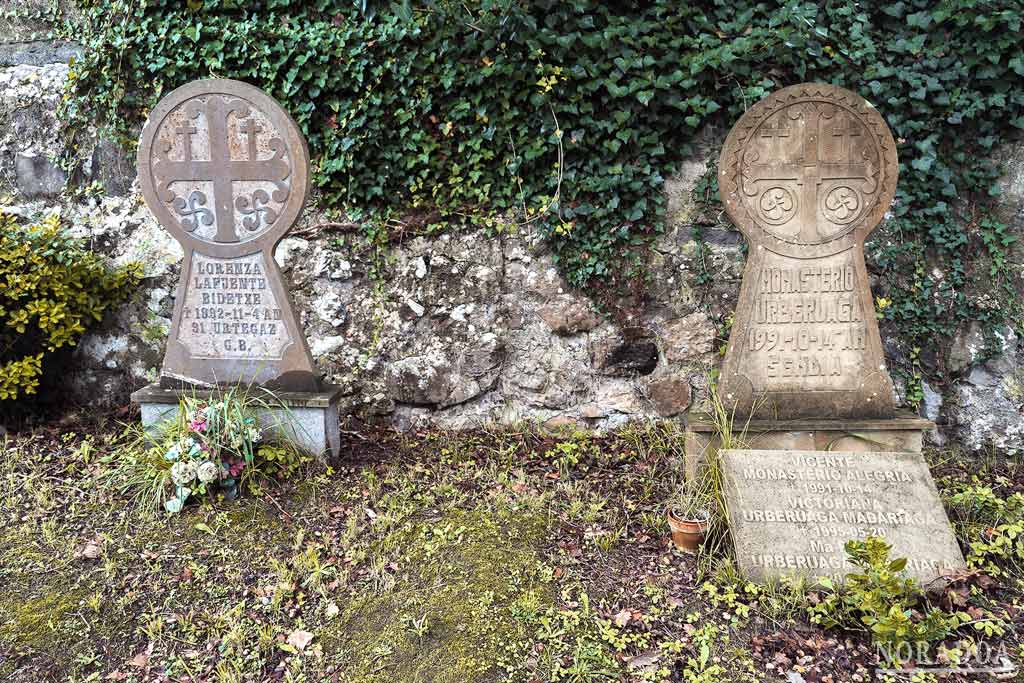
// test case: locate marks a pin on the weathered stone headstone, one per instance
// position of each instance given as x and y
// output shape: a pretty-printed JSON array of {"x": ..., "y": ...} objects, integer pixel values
[
  {"x": 791, "y": 512},
  {"x": 806, "y": 174},
  {"x": 225, "y": 170}
]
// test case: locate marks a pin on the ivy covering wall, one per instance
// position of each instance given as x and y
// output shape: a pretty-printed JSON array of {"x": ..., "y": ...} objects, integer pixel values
[{"x": 570, "y": 114}]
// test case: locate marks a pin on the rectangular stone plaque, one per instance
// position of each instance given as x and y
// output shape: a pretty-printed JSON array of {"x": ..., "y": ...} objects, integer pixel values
[{"x": 791, "y": 512}]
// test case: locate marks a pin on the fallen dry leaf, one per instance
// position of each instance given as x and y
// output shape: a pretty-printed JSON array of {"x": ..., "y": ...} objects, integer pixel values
[
  {"x": 644, "y": 660},
  {"x": 92, "y": 549},
  {"x": 300, "y": 639},
  {"x": 140, "y": 660}
]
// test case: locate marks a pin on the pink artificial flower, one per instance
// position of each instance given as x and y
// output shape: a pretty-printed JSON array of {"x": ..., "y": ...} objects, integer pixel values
[
  {"x": 198, "y": 425},
  {"x": 235, "y": 467}
]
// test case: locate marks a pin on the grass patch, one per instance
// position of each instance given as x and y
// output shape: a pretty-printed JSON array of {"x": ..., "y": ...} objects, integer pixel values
[{"x": 496, "y": 555}]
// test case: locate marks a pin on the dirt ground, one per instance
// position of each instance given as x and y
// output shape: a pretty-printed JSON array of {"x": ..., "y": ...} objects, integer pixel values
[{"x": 506, "y": 554}]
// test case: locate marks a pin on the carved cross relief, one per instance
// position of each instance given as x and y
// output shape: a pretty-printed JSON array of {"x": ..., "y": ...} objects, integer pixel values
[
  {"x": 788, "y": 178},
  {"x": 226, "y": 159}
]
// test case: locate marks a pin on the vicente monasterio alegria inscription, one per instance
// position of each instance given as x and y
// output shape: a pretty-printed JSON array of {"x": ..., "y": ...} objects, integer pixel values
[
  {"x": 791, "y": 512},
  {"x": 806, "y": 174},
  {"x": 225, "y": 170}
]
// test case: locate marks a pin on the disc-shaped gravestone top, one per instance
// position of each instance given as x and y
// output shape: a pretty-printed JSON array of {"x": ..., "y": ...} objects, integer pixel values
[
  {"x": 808, "y": 171},
  {"x": 223, "y": 167}
]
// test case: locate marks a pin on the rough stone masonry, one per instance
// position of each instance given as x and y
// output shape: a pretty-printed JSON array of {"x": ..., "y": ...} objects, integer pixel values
[{"x": 456, "y": 328}]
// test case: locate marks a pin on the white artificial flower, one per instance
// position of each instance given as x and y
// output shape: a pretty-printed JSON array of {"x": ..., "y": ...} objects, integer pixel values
[
  {"x": 207, "y": 472},
  {"x": 183, "y": 472}
]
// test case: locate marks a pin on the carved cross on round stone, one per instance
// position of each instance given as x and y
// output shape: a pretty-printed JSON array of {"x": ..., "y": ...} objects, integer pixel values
[
  {"x": 225, "y": 167},
  {"x": 803, "y": 167}
]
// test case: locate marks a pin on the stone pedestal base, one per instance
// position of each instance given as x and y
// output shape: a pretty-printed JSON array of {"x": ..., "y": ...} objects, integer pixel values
[
  {"x": 902, "y": 433},
  {"x": 308, "y": 419}
]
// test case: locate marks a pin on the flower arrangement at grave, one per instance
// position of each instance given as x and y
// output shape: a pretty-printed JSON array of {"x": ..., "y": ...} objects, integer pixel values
[{"x": 216, "y": 446}]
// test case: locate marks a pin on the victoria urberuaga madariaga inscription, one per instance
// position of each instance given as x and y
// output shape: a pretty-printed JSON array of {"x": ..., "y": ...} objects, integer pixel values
[{"x": 791, "y": 512}]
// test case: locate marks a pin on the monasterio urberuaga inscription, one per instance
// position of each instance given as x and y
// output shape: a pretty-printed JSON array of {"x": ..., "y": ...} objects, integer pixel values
[
  {"x": 225, "y": 170},
  {"x": 806, "y": 174}
]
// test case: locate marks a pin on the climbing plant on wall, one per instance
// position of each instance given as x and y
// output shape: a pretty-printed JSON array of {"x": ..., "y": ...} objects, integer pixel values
[{"x": 571, "y": 113}]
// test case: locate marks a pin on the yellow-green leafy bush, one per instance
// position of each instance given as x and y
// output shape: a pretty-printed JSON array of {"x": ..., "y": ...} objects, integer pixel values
[{"x": 51, "y": 290}]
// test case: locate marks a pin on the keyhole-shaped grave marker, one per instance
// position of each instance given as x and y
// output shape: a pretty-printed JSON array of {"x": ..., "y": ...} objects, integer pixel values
[
  {"x": 225, "y": 170},
  {"x": 806, "y": 174}
]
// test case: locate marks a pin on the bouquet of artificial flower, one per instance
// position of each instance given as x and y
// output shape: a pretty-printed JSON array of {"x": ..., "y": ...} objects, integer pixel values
[{"x": 219, "y": 443}]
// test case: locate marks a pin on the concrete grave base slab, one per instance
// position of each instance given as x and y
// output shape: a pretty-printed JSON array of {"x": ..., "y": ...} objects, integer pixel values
[
  {"x": 904, "y": 432},
  {"x": 308, "y": 418},
  {"x": 791, "y": 512}
]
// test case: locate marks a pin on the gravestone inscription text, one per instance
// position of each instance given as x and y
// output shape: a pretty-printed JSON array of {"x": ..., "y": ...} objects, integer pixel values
[
  {"x": 791, "y": 512},
  {"x": 230, "y": 311}
]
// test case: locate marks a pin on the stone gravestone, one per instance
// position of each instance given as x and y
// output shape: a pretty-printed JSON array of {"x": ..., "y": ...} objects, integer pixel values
[
  {"x": 790, "y": 512},
  {"x": 806, "y": 174},
  {"x": 225, "y": 170}
]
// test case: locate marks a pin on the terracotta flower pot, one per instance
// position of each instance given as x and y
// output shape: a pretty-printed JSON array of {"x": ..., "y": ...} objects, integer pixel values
[{"x": 687, "y": 534}]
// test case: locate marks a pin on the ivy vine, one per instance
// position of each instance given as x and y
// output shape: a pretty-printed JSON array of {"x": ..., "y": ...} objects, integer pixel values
[{"x": 572, "y": 113}]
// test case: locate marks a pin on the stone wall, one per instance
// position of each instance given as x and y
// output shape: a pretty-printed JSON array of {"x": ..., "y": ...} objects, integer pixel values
[{"x": 454, "y": 329}]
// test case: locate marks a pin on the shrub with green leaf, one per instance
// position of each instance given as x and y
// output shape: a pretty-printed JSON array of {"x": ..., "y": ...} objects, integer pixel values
[
  {"x": 569, "y": 115},
  {"x": 989, "y": 524},
  {"x": 51, "y": 290},
  {"x": 880, "y": 599}
]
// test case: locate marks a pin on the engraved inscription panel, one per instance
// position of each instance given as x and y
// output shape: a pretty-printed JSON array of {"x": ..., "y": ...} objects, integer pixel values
[
  {"x": 225, "y": 170},
  {"x": 230, "y": 310},
  {"x": 791, "y": 512},
  {"x": 806, "y": 174}
]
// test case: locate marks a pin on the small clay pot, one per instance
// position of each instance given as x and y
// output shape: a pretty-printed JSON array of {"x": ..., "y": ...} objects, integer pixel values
[{"x": 688, "y": 534}]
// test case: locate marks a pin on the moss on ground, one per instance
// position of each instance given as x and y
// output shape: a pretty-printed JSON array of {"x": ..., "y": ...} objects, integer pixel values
[
  {"x": 450, "y": 603},
  {"x": 49, "y": 612},
  {"x": 38, "y": 621}
]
